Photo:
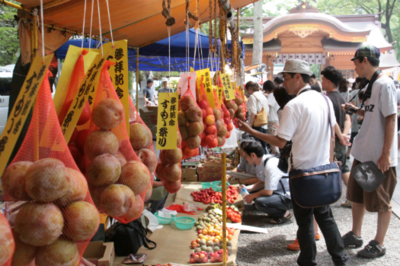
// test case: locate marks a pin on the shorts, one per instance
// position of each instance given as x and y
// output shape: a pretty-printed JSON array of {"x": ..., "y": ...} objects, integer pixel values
[
  {"x": 378, "y": 200},
  {"x": 353, "y": 135},
  {"x": 340, "y": 154},
  {"x": 273, "y": 128}
]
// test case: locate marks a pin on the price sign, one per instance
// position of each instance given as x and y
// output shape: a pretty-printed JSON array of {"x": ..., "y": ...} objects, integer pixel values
[
  {"x": 25, "y": 100},
  {"x": 167, "y": 121},
  {"x": 119, "y": 72},
  {"x": 229, "y": 90}
]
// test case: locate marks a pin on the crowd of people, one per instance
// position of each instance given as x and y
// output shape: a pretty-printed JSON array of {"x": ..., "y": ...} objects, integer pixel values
[{"x": 287, "y": 123}]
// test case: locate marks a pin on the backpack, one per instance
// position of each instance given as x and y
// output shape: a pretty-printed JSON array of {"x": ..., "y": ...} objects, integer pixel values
[{"x": 128, "y": 238}]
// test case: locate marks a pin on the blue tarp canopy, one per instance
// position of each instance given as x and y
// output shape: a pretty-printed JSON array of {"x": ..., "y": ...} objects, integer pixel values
[{"x": 154, "y": 57}]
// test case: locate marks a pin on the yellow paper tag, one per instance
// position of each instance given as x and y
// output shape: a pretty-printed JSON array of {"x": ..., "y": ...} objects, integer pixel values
[
  {"x": 119, "y": 72},
  {"x": 218, "y": 90},
  {"x": 68, "y": 67},
  {"x": 229, "y": 91},
  {"x": 191, "y": 70},
  {"x": 167, "y": 121},
  {"x": 208, "y": 87},
  {"x": 23, "y": 104},
  {"x": 86, "y": 91}
]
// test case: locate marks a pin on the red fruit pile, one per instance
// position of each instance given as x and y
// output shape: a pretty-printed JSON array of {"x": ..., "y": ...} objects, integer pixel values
[
  {"x": 209, "y": 136},
  {"x": 217, "y": 256},
  {"x": 199, "y": 257},
  {"x": 233, "y": 215},
  {"x": 208, "y": 195}
]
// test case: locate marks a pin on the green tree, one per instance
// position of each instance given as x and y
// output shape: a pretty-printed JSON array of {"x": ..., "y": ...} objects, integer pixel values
[
  {"x": 9, "y": 43},
  {"x": 388, "y": 12}
]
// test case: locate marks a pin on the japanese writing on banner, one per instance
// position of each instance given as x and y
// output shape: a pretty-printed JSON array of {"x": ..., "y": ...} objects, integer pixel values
[
  {"x": 25, "y": 100},
  {"x": 167, "y": 121},
  {"x": 208, "y": 87},
  {"x": 87, "y": 90},
  {"x": 66, "y": 74},
  {"x": 218, "y": 90},
  {"x": 119, "y": 72},
  {"x": 229, "y": 90}
]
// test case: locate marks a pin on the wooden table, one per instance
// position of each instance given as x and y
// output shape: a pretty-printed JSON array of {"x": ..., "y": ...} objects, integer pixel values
[{"x": 173, "y": 244}]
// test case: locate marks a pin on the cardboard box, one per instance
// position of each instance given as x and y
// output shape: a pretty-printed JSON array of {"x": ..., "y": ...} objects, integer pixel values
[
  {"x": 99, "y": 253},
  {"x": 189, "y": 175},
  {"x": 149, "y": 117},
  {"x": 211, "y": 171}
]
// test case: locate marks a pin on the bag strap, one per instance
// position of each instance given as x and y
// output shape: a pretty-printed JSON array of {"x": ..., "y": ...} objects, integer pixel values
[
  {"x": 143, "y": 232},
  {"x": 280, "y": 181},
  {"x": 329, "y": 115}
]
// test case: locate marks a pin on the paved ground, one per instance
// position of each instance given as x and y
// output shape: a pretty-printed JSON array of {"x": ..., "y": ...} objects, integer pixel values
[{"x": 270, "y": 249}]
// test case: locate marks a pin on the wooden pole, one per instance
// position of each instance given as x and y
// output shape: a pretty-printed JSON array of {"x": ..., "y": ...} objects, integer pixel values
[
  {"x": 222, "y": 26},
  {"x": 137, "y": 80},
  {"x": 223, "y": 180}
]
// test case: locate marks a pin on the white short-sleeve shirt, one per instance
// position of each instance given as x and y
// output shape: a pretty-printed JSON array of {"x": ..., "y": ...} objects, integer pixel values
[
  {"x": 273, "y": 110},
  {"x": 368, "y": 144},
  {"x": 255, "y": 106},
  {"x": 305, "y": 122},
  {"x": 271, "y": 175}
]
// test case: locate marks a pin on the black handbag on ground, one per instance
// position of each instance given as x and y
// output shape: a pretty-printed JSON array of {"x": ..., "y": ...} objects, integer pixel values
[
  {"x": 128, "y": 238},
  {"x": 318, "y": 186}
]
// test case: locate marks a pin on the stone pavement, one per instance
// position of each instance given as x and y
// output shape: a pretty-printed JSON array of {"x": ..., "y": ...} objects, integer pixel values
[{"x": 270, "y": 249}]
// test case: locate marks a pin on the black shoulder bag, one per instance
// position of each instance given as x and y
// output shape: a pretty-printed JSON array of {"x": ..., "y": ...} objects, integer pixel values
[{"x": 128, "y": 238}]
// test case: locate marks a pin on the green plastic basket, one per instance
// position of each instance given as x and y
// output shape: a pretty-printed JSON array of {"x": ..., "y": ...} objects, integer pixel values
[
  {"x": 184, "y": 223},
  {"x": 216, "y": 186},
  {"x": 163, "y": 220},
  {"x": 206, "y": 185}
]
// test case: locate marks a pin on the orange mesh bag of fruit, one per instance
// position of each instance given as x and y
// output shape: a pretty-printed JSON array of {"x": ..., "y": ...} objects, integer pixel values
[
  {"x": 209, "y": 136},
  {"x": 57, "y": 218},
  {"x": 190, "y": 120},
  {"x": 141, "y": 140},
  {"x": 117, "y": 179},
  {"x": 239, "y": 106},
  {"x": 169, "y": 167},
  {"x": 75, "y": 143},
  {"x": 7, "y": 244},
  {"x": 222, "y": 127},
  {"x": 78, "y": 75}
]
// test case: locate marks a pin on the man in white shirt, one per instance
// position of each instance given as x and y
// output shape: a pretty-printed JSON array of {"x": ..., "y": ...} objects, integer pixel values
[
  {"x": 255, "y": 103},
  {"x": 375, "y": 142},
  {"x": 271, "y": 194},
  {"x": 305, "y": 121}
]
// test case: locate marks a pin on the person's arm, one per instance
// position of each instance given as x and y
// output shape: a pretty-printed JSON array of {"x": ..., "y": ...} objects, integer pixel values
[
  {"x": 385, "y": 160},
  {"x": 252, "y": 118},
  {"x": 257, "y": 186},
  {"x": 359, "y": 112},
  {"x": 271, "y": 139},
  {"x": 157, "y": 184},
  {"x": 249, "y": 198},
  {"x": 344, "y": 139},
  {"x": 347, "y": 125}
]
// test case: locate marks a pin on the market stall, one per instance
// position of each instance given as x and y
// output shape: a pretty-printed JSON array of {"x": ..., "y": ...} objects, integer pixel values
[{"x": 88, "y": 152}]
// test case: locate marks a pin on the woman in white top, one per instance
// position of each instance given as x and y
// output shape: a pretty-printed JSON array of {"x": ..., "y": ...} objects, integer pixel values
[
  {"x": 273, "y": 120},
  {"x": 255, "y": 103}
]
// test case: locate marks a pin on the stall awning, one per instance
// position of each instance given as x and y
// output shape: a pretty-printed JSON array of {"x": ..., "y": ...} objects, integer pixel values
[
  {"x": 154, "y": 57},
  {"x": 139, "y": 21}
]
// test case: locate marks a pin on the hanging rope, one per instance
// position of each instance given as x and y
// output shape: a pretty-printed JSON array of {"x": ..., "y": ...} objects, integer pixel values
[
  {"x": 215, "y": 25},
  {"x": 101, "y": 34},
  {"x": 42, "y": 24},
  {"x": 91, "y": 25},
  {"x": 197, "y": 26},
  {"x": 210, "y": 29},
  {"x": 169, "y": 53},
  {"x": 83, "y": 26},
  {"x": 109, "y": 21},
  {"x": 167, "y": 13}
]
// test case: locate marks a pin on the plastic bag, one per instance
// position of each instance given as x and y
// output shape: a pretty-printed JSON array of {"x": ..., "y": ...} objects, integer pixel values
[
  {"x": 190, "y": 120},
  {"x": 169, "y": 167},
  {"x": 142, "y": 143},
  {"x": 7, "y": 244},
  {"x": 57, "y": 218},
  {"x": 117, "y": 179},
  {"x": 209, "y": 136}
]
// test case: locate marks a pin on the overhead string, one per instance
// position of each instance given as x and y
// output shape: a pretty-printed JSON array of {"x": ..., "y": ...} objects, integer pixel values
[
  {"x": 91, "y": 24},
  {"x": 169, "y": 52},
  {"x": 83, "y": 26},
  {"x": 42, "y": 26},
  {"x": 109, "y": 20},
  {"x": 187, "y": 41},
  {"x": 101, "y": 34}
]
